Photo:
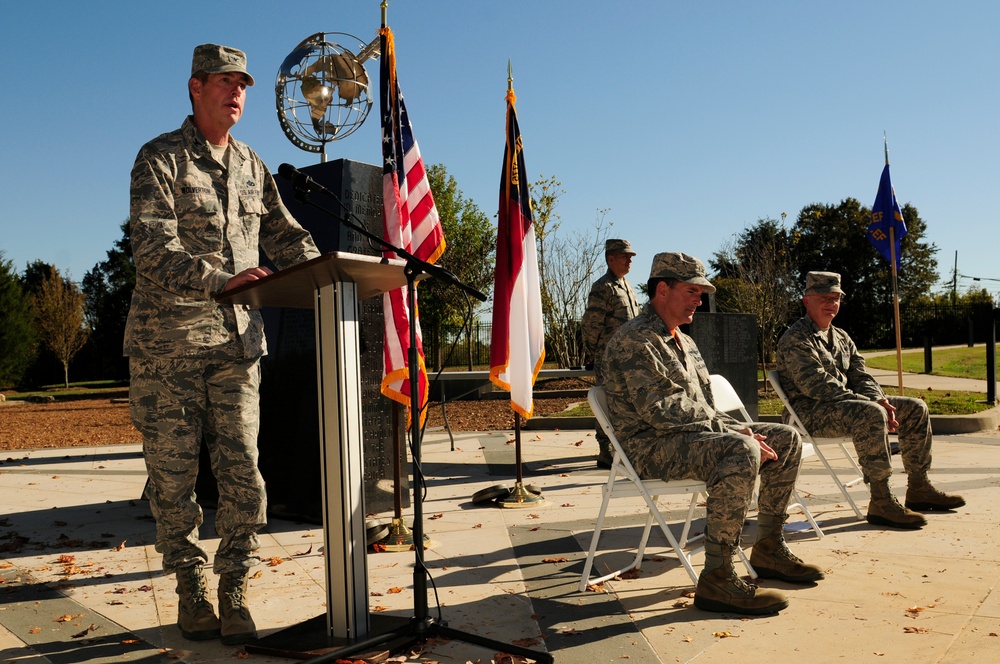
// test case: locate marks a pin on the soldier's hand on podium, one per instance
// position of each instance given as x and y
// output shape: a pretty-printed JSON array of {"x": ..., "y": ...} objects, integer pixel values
[{"x": 246, "y": 276}]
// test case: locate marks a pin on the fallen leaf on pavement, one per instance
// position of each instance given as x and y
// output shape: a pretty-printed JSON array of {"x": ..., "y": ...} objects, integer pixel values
[
  {"x": 67, "y": 617},
  {"x": 85, "y": 632}
]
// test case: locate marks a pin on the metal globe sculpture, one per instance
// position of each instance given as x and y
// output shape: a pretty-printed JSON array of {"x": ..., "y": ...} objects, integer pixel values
[{"x": 322, "y": 92}]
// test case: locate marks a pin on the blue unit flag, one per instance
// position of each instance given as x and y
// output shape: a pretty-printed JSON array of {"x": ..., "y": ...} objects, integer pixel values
[{"x": 885, "y": 215}]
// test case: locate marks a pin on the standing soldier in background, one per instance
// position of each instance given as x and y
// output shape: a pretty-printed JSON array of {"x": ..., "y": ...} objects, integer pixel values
[
  {"x": 611, "y": 302},
  {"x": 202, "y": 205}
]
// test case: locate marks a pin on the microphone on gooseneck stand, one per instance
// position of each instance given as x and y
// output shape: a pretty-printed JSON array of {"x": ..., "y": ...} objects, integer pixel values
[{"x": 301, "y": 181}]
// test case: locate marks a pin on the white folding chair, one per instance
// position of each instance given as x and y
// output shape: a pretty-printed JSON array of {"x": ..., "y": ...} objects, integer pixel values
[
  {"x": 623, "y": 481},
  {"x": 727, "y": 401},
  {"x": 772, "y": 377}
]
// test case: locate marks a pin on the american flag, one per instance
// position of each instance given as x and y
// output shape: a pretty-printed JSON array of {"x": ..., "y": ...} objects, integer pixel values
[
  {"x": 410, "y": 221},
  {"x": 517, "y": 347}
]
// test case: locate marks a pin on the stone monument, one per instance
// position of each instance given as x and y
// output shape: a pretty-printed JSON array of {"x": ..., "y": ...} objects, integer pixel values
[{"x": 728, "y": 342}]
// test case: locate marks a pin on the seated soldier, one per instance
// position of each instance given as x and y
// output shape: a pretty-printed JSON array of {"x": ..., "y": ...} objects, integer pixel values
[
  {"x": 662, "y": 408},
  {"x": 831, "y": 391}
]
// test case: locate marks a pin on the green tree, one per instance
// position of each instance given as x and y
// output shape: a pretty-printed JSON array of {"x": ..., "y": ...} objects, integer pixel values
[
  {"x": 44, "y": 367},
  {"x": 471, "y": 247},
  {"x": 834, "y": 238},
  {"x": 108, "y": 288},
  {"x": 59, "y": 306},
  {"x": 950, "y": 298},
  {"x": 35, "y": 274},
  {"x": 756, "y": 275},
  {"x": 18, "y": 341}
]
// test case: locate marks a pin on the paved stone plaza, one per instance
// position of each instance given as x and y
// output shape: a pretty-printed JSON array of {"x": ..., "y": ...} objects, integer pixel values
[{"x": 510, "y": 574}]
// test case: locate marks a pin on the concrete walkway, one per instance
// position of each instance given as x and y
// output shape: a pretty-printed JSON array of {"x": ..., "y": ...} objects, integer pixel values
[{"x": 80, "y": 581}]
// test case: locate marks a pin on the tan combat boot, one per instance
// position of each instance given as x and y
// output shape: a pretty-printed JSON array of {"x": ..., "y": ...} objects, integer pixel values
[
  {"x": 923, "y": 497},
  {"x": 772, "y": 558},
  {"x": 237, "y": 625},
  {"x": 195, "y": 616},
  {"x": 884, "y": 509},
  {"x": 720, "y": 589}
]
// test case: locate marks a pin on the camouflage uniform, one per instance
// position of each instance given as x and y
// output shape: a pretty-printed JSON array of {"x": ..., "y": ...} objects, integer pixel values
[
  {"x": 611, "y": 303},
  {"x": 663, "y": 411},
  {"x": 195, "y": 223},
  {"x": 830, "y": 389}
]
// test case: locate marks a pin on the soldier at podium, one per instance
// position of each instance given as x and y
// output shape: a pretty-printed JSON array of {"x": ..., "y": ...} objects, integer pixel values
[{"x": 202, "y": 205}]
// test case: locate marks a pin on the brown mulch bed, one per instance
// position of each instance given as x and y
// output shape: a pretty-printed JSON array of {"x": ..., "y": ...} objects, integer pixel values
[
  {"x": 490, "y": 414},
  {"x": 494, "y": 414},
  {"x": 82, "y": 423},
  {"x": 90, "y": 422}
]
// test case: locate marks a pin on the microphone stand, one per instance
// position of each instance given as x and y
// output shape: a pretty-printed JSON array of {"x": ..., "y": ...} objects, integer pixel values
[{"x": 421, "y": 627}]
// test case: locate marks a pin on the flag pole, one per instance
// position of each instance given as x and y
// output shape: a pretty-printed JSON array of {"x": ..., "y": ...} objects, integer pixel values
[
  {"x": 399, "y": 537},
  {"x": 895, "y": 308},
  {"x": 895, "y": 291}
]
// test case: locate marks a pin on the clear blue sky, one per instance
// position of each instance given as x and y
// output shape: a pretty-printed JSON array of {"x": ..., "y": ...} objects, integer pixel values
[{"x": 689, "y": 120}]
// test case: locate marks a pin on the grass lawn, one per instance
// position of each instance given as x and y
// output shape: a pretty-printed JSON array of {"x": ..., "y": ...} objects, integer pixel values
[
  {"x": 957, "y": 362},
  {"x": 939, "y": 403},
  {"x": 84, "y": 390}
]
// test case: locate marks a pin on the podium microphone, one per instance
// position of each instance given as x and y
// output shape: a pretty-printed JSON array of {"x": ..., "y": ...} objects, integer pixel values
[{"x": 299, "y": 180}]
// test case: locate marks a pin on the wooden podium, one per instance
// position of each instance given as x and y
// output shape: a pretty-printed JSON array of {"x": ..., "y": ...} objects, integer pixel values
[{"x": 333, "y": 285}]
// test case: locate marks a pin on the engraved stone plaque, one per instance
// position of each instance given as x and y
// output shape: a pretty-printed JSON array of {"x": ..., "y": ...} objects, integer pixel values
[{"x": 728, "y": 342}]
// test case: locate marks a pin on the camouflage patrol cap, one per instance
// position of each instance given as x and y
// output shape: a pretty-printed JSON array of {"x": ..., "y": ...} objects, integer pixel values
[
  {"x": 215, "y": 59},
  {"x": 617, "y": 246},
  {"x": 681, "y": 267},
  {"x": 823, "y": 282}
]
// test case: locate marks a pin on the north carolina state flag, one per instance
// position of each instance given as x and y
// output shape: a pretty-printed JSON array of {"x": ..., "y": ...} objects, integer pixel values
[{"x": 517, "y": 348}]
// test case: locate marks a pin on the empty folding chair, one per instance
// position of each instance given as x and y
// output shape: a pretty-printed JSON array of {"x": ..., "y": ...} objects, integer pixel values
[
  {"x": 840, "y": 442},
  {"x": 728, "y": 401}
]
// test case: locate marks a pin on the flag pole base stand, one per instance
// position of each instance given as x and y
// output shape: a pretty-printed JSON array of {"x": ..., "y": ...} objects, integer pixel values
[
  {"x": 522, "y": 496},
  {"x": 400, "y": 538}
]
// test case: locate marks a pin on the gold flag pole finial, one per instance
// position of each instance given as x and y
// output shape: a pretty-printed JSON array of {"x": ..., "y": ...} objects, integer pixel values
[
  {"x": 385, "y": 7},
  {"x": 511, "y": 97},
  {"x": 885, "y": 142}
]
